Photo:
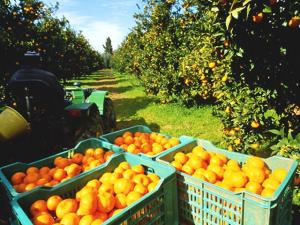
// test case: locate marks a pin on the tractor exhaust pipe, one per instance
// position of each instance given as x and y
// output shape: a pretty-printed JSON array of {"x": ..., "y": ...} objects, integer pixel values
[{"x": 12, "y": 124}]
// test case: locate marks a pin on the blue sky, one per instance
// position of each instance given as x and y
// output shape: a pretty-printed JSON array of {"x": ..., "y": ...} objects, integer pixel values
[{"x": 98, "y": 19}]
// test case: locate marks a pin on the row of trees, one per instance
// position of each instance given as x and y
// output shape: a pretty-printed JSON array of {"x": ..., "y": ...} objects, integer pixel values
[
  {"x": 239, "y": 55},
  {"x": 31, "y": 25}
]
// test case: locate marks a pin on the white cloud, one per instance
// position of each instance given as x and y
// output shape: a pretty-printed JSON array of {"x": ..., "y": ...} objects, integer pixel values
[{"x": 96, "y": 31}]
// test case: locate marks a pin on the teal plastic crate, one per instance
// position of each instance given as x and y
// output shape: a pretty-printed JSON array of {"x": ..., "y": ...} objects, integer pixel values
[
  {"x": 201, "y": 202},
  {"x": 7, "y": 171},
  {"x": 156, "y": 207},
  {"x": 110, "y": 137}
]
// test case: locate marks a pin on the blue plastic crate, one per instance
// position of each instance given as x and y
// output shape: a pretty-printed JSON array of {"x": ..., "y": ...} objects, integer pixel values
[
  {"x": 201, "y": 202},
  {"x": 156, "y": 207},
  {"x": 7, "y": 171}
]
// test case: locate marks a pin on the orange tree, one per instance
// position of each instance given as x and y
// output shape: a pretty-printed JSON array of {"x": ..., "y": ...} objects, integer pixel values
[{"x": 30, "y": 25}]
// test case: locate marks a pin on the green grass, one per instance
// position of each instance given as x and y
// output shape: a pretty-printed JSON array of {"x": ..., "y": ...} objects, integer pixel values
[
  {"x": 174, "y": 119},
  {"x": 134, "y": 107}
]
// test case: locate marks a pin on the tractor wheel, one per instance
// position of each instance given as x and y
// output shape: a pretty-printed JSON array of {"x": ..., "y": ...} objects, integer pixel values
[
  {"x": 92, "y": 126},
  {"x": 109, "y": 116}
]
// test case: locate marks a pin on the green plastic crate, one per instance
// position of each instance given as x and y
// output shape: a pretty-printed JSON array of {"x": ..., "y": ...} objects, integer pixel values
[
  {"x": 110, "y": 137},
  {"x": 201, "y": 202},
  {"x": 7, "y": 171},
  {"x": 156, "y": 207}
]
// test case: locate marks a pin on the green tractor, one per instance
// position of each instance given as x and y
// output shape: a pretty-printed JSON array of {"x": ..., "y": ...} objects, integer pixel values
[{"x": 43, "y": 118}]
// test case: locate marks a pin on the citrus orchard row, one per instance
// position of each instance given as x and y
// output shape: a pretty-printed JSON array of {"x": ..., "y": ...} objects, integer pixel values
[
  {"x": 62, "y": 170},
  {"x": 146, "y": 143},
  {"x": 98, "y": 200},
  {"x": 253, "y": 176}
]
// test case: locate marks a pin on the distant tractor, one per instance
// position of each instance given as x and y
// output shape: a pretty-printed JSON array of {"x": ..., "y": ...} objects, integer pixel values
[{"x": 42, "y": 117}]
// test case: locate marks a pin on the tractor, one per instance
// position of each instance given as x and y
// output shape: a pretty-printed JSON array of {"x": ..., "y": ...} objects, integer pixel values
[{"x": 43, "y": 118}]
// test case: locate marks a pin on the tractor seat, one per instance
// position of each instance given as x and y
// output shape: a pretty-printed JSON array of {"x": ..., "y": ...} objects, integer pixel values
[{"x": 41, "y": 86}]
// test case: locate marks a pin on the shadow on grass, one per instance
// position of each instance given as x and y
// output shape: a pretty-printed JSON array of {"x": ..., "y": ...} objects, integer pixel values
[
  {"x": 140, "y": 121},
  {"x": 127, "y": 107},
  {"x": 118, "y": 90}
]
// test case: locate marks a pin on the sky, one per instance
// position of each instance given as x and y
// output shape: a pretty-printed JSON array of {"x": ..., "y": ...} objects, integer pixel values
[{"x": 99, "y": 19}]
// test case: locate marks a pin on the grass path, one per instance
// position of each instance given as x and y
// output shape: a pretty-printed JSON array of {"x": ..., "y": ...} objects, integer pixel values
[{"x": 134, "y": 107}]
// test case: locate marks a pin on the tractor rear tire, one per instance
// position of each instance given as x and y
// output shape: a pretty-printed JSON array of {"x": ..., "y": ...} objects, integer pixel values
[
  {"x": 109, "y": 116},
  {"x": 93, "y": 126}
]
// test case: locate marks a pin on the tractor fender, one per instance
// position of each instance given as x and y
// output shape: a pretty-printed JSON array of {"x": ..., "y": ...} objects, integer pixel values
[{"x": 98, "y": 98}]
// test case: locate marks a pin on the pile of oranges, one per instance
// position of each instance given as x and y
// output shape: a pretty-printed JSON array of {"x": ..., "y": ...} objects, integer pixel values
[
  {"x": 98, "y": 200},
  {"x": 253, "y": 176},
  {"x": 64, "y": 169},
  {"x": 146, "y": 143}
]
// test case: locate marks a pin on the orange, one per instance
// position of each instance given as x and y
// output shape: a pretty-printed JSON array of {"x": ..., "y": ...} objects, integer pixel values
[
  {"x": 152, "y": 186},
  {"x": 138, "y": 144},
  {"x": 271, "y": 184},
  {"x": 222, "y": 157},
  {"x": 30, "y": 186},
  {"x": 196, "y": 162},
  {"x": 157, "y": 148},
  {"x": 107, "y": 155},
  {"x": 127, "y": 133},
  {"x": 100, "y": 215},
  {"x": 59, "y": 174},
  {"x": 53, "y": 201},
  {"x": 44, "y": 170},
  {"x": 188, "y": 169},
  {"x": 98, "y": 153},
  {"x": 105, "y": 178},
  {"x": 129, "y": 174},
  {"x": 279, "y": 174},
  {"x": 238, "y": 179},
  {"x": 37, "y": 207},
  {"x": 106, "y": 187},
  {"x": 153, "y": 136},
  {"x": 256, "y": 162},
  {"x": 32, "y": 169},
  {"x": 239, "y": 189},
  {"x": 41, "y": 181},
  {"x": 197, "y": 149},
  {"x": 294, "y": 22},
  {"x": 61, "y": 162},
  {"x": 106, "y": 202},
  {"x": 132, "y": 149},
  {"x": 119, "y": 170},
  {"x": 88, "y": 204},
  {"x": 73, "y": 170},
  {"x": 226, "y": 186},
  {"x": 267, "y": 192},
  {"x": 43, "y": 219},
  {"x": 218, "y": 170},
  {"x": 77, "y": 158},
  {"x": 31, "y": 178},
  {"x": 141, "y": 189},
  {"x": 146, "y": 148},
  {"x": 115, "y": 212},
  {"x": 153, "y": 177},
  {"x": 89, "y": 152},
  {"x": 167, "y": 146},
  {"x": 124, "y": 165},
  {"x": 141, "y": 179},
  {"x": 70, "y": 219},
  {"x": 128, "y": 140},
  {"x": 123, "y": 186},
  {"x": 94, "y": 163},
  {"x": 97, "y": 222},
  {"x": 210, "y": 176},
  {"x": 254, "y": 187},
  {"x": 124, "y": 146},
  {"x": 137, "y": 133},
  {"x": 66, "y": 206},
  {"x": 258, "y": 17},
  {"x": 20, "y": 187},
  {"x": 174, "y": 142},
  {"x": 84, "y": 191},
  {"x": 164, "y": 141},
  {"x": 204, "y": 155},
  {"x": 17, "y": 178},
  {"x": 93, "y": 183},
  {"x": 200, "y": 176},
  {"x": 139, "y": 169},
  {"x": 177, "y": 165},
  {"x": 233, "y": 165},
  {"x": 119, "y": 141},
  {"x": 132, "y": 197},
  {"x": 256, "y": 175},
  {"x": 120, "y": 201},
  {"x": 227, "y": 174},
  {"x": 86, "y": 220},
  {"x": 216, "y": 161},
  {"x": 181, "y": 157}
]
